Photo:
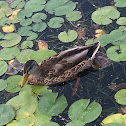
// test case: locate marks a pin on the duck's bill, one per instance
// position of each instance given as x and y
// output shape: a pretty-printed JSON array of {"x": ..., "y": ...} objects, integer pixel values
[{"x": 23, "y": 80}]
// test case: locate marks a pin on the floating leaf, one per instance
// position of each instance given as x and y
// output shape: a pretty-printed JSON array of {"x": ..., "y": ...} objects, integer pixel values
[
  {"x": 1, "y": 35},
  {"x": 35, "y": 6},
  {"x": 6, "y": 114},
  {"x": 51, "y": 124},
  {"x": 99, "y": 33},
  {"x": 117, "y": 53},
  {"x": 24, "y": 55},
  {"x": 80, "y": 110},
  {"x": 120, "y": 97},
  {"x": 42, "y": 54},
  {"x": 50, "y": 105},
  {"x": 69, "y": 36},
  {"x": 32, "y": 35},
  {"x": 42, "y": 44},
  {"x": 5, "y": 21},
  {"x": 29, "y": 121},
  {"x": 8, "y": 28},
  {"x": 11, "y": 39},
  {"x": 40, "y": 118},
  {"x": 121, "y": 21},
  {"x": 3, "y": 67},
  {"x": 26, "y": 22},
  {"x": 114, "y": 124},
  {"x": 73, "y": 16},
  {"x": 12, "y": 84},
  {"x": 24, "y": 30},
  {"x": 55, "y": 22},
  {"x": 26, "y": 44},
  {"x": 120, "y": 3},
  {"x": 105, "y": 15},
  {"x": 39, "y": 27},
  {"x": 9, "y": 53},
  {"x": 3, "y": 84},
  {"x": 75, "y": 123},
  {"x": 18, "y": 4},
  {"x": 115, "y": 118},
  {"x": 24, "y": 13},
  {"x": 38, "y": 17}
]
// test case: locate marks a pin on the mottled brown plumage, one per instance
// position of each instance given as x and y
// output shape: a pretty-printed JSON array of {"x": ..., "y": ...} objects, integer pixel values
[{"x": 61, "y": 67}]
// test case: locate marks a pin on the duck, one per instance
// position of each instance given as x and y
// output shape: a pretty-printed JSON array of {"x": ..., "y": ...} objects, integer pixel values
[{"x": 63, "y": 66}]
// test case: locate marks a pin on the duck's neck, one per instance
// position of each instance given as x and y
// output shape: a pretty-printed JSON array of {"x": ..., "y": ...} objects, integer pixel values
[{"x": 37, "y": 72}]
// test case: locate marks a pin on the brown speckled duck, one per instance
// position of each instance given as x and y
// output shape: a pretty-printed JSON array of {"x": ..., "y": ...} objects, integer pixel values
[{"x": 61, "y": 67}]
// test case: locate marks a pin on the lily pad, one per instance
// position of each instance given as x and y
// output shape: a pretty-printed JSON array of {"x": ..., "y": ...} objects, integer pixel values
[
  {"x": 6, "y": 114},
  {"x": 9, "y": 53},
  {"x": 12, "y": 84},
  {"x": 121, "y": 21},
  {"x": 38, "y": 17},
  {"x": 26, "y": 44},
  {"x": 50, "y": 105},
  {"x": 80, "y": 110},
  {"x": 24, "y": 55},
  {"x": 42, "y": 54},
  {"x": 26, "y": 22},
  {"x": 120, "y": 97},
  {"x": 105, "y": 15},
  {"x": 32, "y": 35},
  {"x": 120, "y": 3},
  {"x": 39, "y": 27},
  {"x": 3, "y": 67},
  {"x": 117, "y": 53},
  {"x": 73, "y": 16},
  {"x": 1, "y": 35},
  {"x": 35, "y": 5},
  {"x": 75, "y": 123},
  {"x": 114, "y": 124},
  {"x": 5, "y": 21},
  {"x": 24, "y": 30},
  {"x": 69, "y": 36},
  {"x": 18, "y": 4},
  {"x": 51, "y": 124},
  {"x": 55, "y": 22},
  {"x": 40, "y": 118},
  {"x": 10, "y": 39},
  {"x": 3, "y": 84}
]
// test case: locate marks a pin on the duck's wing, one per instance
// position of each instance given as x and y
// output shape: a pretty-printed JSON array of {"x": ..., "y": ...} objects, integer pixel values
[{"x": 67, "y": 59}]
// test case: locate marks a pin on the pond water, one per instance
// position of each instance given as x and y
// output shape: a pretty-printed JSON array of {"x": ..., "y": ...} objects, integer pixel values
[{"x": 94, "y": 85}]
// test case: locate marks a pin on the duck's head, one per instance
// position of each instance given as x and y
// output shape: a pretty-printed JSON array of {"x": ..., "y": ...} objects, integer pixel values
[{"x": 30, "y": 67}]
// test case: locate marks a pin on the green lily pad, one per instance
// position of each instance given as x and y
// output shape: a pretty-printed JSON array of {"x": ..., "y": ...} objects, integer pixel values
[
  {"x": 3, "y": 84},
  {"x": 55, "y": 22},
  {"x": 13, "y": 84},
  {"x": 23, "y": 122},
  {"x": 52, "y": 4},
  {"x": 18, "y": 4},
  {"x": 121, "y": 21},
  {"x": 114, "y": 124},
  {"x": 35, "y": 5},
  {"x": 38, "y": 17},
  {"x": 73, "y": 16},
  {"x": 39, "y": 27},
  {"x": 26, "y": 44},
  {"x": 69, "y": 36},
  {"x": 6, "y": 114},
  {"x": 9, "y": 53},
  {"x": 122, "y": 28},
  {"x": 32, "y": 35},
  {"x": 25, "y": 103},
  {"x": 24, "y": 55},
  {"x": 105, "y": 15},
  {"x": 1, "y": 35},
  {"x": 26, "y": 22},
  {"x": 117, "y": 53},
  {"x": 51, "y": 124},
  {"x": 3, "y": 67},
  {"x": 42, "y": 54},
  {"x": 50, "y": 105},
  {"x": 15, "y": 19},
  {"x": 5, "y": 21},
  {"x": 80, "y": 110},
  {"x": 75, "y": 123},
  {"x": 120, "y": 3},
  {"x": 40, "y": 118},
  {"x": 24, "y": 13},
  {"x": 120, "y": 97},
  {"x": 10, "y": 39},
  {"x": 24, "y": 30}
]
